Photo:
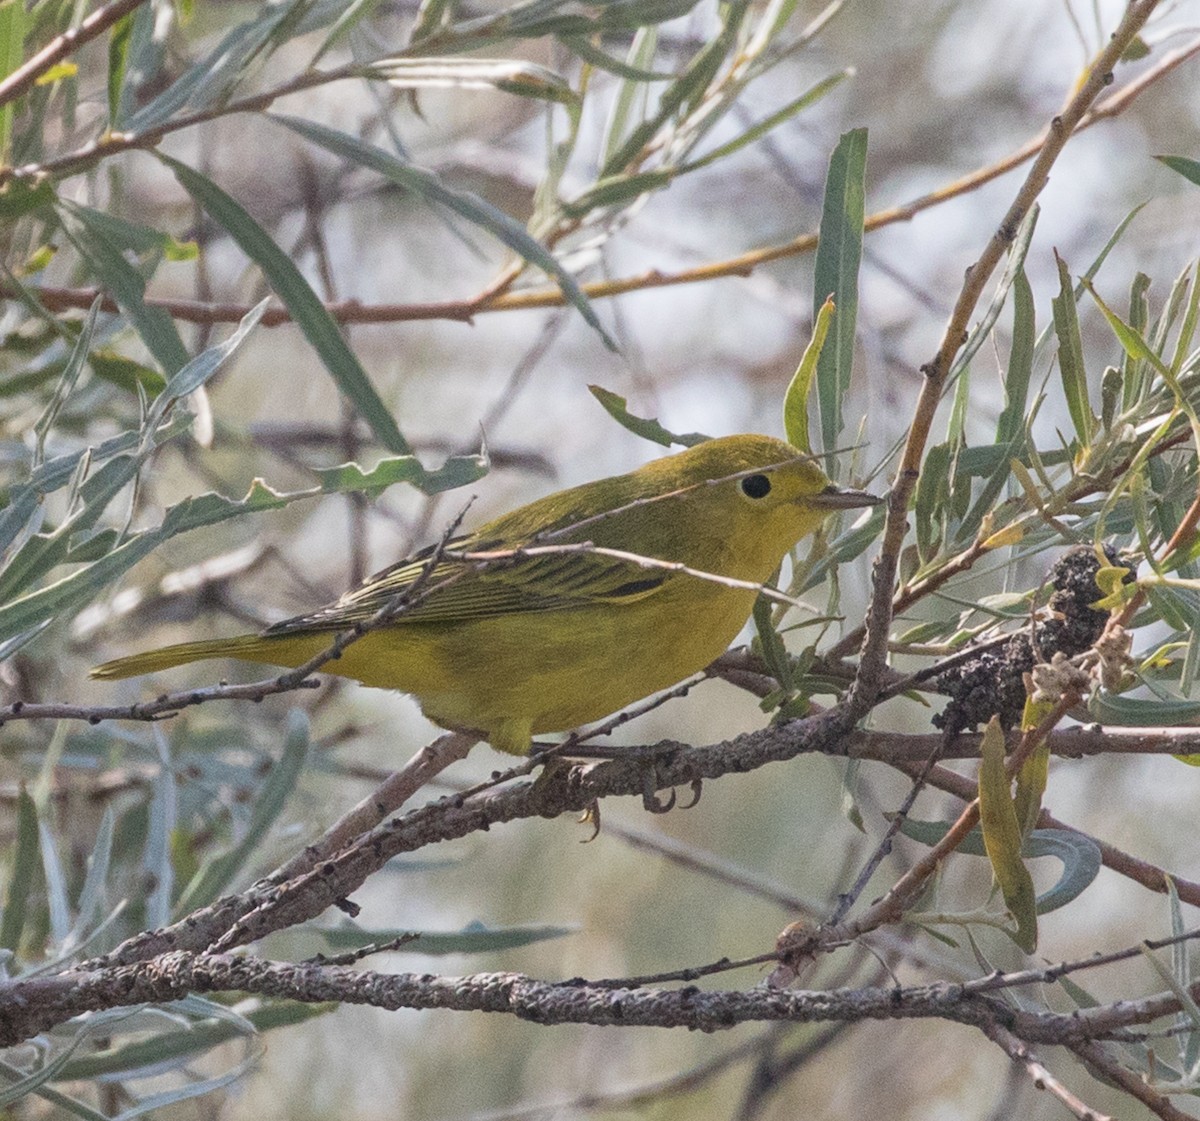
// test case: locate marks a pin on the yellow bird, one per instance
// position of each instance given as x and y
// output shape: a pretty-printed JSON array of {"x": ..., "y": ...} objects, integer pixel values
[{"x": 548, "y": 640}]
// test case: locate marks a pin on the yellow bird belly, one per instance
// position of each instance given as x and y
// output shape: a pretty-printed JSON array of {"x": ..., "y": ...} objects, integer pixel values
[{"x": 524, "y": 674}]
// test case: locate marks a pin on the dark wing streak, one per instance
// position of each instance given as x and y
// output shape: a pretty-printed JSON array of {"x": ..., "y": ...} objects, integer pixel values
[{"x": 525, "y": 584}]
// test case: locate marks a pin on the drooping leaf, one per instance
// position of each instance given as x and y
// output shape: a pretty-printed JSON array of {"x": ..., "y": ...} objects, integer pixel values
[
  {"x": 1002, "y": 836},
  {"x": 301, "y": 301},
  {"x": 795, "y": 401},
  {"x": 474, "y": 209},
  {"x": 648, "y": 429}
]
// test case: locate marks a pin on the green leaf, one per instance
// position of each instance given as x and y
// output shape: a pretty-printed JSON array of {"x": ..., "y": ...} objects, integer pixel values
[
  {"x": 13, "y": 26},
  {"x": 19, "y": 197},
  {"x": 94, "y": 235},
  {"x": 978, "y": 335},
  {"x": 1002, "y": 836},
  {"x": 1188, "y": 168},
  {"x": 516, "y": 76},
  {"x": 795, "y": 401},
  {"x": 1080, "y": 856},
  {"x": 457, "y": 471},
  {"x": 1070, "y": 356},
  {"x": 1125, "y": 711},
  {"x": 650, "y": 429},
  {"x": 839, "y": 253},
  {"x": 118, "y": 58},
  {"x": 771, "y": 646},
  {"x": 428, "y": 186},
  {"x": 199, "y": 1037},
  {"x": 218, "y": 873},
  {"x": 301, "y": 301},
  {"x": 780, "y": 116},
  {"x": 474, "y": 938},
  {"x": 26, "y": 860}
]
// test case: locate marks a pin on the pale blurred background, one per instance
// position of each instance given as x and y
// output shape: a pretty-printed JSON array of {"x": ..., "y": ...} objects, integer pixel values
[{"x": 944, "y": 88}]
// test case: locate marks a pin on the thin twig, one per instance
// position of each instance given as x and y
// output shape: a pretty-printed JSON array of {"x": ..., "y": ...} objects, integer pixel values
[
  {"x": 1039, "y": 1075},
  {"x": 25, "y": 76},
  {"x": 464, "y": 311},
  {"x": 1105, "y": 1066}
]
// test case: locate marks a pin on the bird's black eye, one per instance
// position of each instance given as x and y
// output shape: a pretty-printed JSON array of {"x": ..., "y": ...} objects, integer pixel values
[{"x": 756, "y": 486}]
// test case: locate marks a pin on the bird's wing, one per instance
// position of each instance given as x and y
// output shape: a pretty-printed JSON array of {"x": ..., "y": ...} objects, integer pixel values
[{"x": 450, "y": 590}]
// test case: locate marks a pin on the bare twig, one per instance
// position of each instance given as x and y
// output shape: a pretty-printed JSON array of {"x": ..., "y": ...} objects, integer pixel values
[
  {"x": 464, "y": 311},
  {"x": 39, "y": 1003},
  {"x": 22, "y": 79},
  {"x": 1096, "y": 1056},
  {"x": 1039, "y": 1075}
]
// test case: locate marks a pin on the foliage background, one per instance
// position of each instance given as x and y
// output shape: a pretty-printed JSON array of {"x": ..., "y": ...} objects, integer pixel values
[{"x": 943, "y": 88}]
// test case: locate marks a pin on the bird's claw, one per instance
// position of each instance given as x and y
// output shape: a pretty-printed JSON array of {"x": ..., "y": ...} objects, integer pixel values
[{"x": 650, "y": 799}]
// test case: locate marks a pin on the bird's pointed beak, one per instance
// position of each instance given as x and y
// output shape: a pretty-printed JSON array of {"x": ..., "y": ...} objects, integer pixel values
[{"x": 841, "y": 498}]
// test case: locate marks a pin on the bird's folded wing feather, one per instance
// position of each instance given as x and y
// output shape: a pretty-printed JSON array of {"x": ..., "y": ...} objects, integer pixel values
[{"x": 446, "y": 589}]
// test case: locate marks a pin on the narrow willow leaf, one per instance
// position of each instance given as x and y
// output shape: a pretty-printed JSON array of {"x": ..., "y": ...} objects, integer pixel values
[
  {"x": 1081, "y": 860},
  {"x": 474, "y": 938},
  {"x": 56, "y": 883},
  {"x": 648, "y": 429},
  {"x": 26, "y": 860},
  {"x": 218, "y": 874},
  {"x": 633, "y": 90},
  {"x": 212, "y": 78},
  {"x": 80, "y": 587},
  {"x": 306, "y": 309},
  {"x": 129, "y": 1059},
  {"x": 13, "y": 25},
  {"x": 457, "y": 471},
  {"x": 351, "y": 16},
  {"x": 428, "y": 186},
  {"x": 637, "y": 75},
  {"x": 795, "y": 401},
  {"x": 1122, "y": 710},
  {"x": 617, "y": 190},
  {"x": 978, "y": 335},
  {"x": 72, "y": 1107},
  {"x": 1080, "y": 856},
  {"x": 1070, "y": 356},
  {"x": 191, "y": 1089},
  {"x": 92, "y": 235},
  {"x": 686, "y": 90},
  {"x": 1002, "y": 836},
  {"x": 781, "y": 116},
  {"x": 118, "y": 56},
  {"x": 162, "y": 821},
  {"x": 1010, "y": 428},
  {"x": 773, "y": 650},
  {"x": 1031, "y": 786},
  {"x": 66, "y": 383},
  {"x": 1188, "y": 168},
  {"x": 91, "y": 895},
  {"x": 839, "y": 253},
  {"x": 516, "y": 76},
  {"x": 932, "y": 500}
]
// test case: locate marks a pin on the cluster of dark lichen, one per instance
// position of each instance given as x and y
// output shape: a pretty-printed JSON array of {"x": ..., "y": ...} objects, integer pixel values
[{"x": 992, "y": 681}]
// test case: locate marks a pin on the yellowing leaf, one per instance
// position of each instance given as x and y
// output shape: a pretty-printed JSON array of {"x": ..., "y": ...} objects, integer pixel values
[
  {"x": 1002, "y": 837},
  {"x": 795, "y": 401},
  {"x": 62, "y": 70}
]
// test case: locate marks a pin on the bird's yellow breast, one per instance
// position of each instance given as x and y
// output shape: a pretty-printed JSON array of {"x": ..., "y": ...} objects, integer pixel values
[{"x": 517, "y": 676}]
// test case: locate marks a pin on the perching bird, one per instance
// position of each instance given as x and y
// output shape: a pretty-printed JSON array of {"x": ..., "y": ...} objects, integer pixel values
[{"x": 530, "y": 643}]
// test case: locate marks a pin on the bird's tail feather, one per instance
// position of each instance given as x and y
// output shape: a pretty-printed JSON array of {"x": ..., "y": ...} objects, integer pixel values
[{"x": 249, "y": 647}]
